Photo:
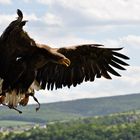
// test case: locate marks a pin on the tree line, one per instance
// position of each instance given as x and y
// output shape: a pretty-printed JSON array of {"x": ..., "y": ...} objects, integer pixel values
[{"x": 113, "y": 127}]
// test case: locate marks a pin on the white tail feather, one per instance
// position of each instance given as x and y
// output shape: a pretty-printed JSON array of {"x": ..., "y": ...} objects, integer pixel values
[{"x": 13, "y": 98}]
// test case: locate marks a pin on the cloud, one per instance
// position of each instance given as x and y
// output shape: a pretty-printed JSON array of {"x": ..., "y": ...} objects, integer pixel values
[
  {"x": 52, "y": 20},
  {"x": 6, "y": 18},
  {"x": 5, "y": 21},
  {"x": 133, "y": 76},
  {"x": 28, "y": 1},
  {"x": 132, "y": 40},
  {"x": 4, "y": 2},
  {"x": 99, "y": 12},
  {"x": 47, "y": 2}
]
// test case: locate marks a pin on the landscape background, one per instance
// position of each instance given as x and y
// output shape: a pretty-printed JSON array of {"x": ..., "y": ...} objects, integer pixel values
[
  {"x": 105, "y": 118},
  {"x": 113, "y": 116}
]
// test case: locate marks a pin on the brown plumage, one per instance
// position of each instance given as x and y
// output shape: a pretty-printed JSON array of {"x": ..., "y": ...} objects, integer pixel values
[{"x": 27, "y": 65}]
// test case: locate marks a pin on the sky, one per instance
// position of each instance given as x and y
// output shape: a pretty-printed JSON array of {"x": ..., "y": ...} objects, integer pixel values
[{"x": 61, "y": 23}]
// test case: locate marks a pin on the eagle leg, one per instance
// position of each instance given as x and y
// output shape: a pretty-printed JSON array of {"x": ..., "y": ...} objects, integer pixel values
[
  {"x": 2, "y": 100},
  {"x": 37, "y": 102},
  {"x": 11, "y": 107},
  {"x": 32, "y": 94}
]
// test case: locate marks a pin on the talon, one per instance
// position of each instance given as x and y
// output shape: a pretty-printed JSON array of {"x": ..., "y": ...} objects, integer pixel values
[
  {"x": 37, "y": 102},
  {"x": 37, "y": 109},
  {"x": 16, "y": 110},
  {"x": 20, "y": 112}
]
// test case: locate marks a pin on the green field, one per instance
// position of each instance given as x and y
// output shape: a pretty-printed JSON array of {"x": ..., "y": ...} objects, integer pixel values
[{"x": 6, "y": 123}]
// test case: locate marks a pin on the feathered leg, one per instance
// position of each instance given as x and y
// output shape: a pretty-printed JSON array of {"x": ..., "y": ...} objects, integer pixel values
[
  {"x": 25, "y": 100},
  {"x": 2, "y": 99}
]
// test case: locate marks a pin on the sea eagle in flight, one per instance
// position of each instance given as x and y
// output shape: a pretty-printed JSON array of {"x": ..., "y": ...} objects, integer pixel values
[{"x": 26, "y": 65}]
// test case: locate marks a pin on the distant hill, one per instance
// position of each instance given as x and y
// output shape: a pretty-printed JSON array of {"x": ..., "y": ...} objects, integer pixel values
[{"x": 74, "y": 109}]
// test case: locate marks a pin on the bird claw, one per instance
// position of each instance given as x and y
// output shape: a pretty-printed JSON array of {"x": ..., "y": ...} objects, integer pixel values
[
  {"x": 37, "y": 103},
  {"x": 37, "y": 109}
]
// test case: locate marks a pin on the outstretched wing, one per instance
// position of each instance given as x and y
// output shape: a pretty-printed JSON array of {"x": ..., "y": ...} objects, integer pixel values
[{"x": 87, "y": 62}]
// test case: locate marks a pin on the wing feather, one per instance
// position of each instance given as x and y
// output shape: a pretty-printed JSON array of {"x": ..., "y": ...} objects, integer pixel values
[
  {"x": 115, "y": 59},
  {"x": 120, "y": 55},
  {"x": 114, "y": 64},
  {"x": 87, "y": 62}
]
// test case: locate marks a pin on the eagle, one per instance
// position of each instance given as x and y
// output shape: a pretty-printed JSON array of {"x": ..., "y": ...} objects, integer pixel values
[{"x": 27, "y": 66}]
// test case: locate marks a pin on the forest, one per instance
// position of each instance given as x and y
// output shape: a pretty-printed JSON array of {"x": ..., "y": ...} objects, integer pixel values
[{"x": 120, "y": 126}]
